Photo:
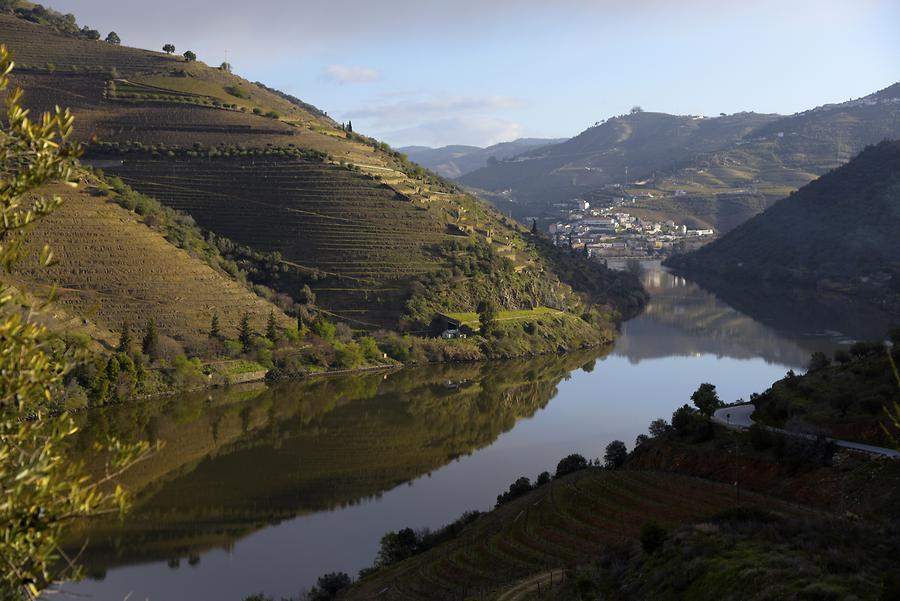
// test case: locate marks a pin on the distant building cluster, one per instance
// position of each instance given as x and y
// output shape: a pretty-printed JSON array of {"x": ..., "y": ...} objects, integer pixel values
[{"x": 608, "y": 232}]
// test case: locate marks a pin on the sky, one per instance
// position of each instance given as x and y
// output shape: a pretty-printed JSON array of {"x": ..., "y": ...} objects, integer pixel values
[{"x": 479, "y": 72}]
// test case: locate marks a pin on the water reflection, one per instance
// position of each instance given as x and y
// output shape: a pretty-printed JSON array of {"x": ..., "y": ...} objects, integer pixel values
[
  {"x": 240, "y": 459},
  {"x": 264, "y": 489},
  {"x": 684, "y": 319},
  {"x": 817, "y": 320}
]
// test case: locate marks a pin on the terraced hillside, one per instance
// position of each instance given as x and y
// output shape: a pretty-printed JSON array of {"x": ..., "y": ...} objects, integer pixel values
[
  {"x": 112, "y": 269},
  {"x": 359, "y": 236},
  {"x": 559, "y": 524},
  {"x": 361, "y": 226}
]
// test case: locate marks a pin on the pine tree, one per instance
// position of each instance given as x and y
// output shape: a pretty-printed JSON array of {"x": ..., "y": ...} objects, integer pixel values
[
  {"x": 534, "y": 227},
  {"x": 214, "y": 331},
  {"x": 350, "y": 126},
  {"x": 271, "y": 332},
  {"x": 112, "y": 375},
  {"x": 125, "y": 339},
  {"x": 150, "y": 343},
  {"x": 246, "y": 334}
]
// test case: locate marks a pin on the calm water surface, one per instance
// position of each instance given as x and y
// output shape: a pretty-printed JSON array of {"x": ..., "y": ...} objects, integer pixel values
[{"x": 264, "y": 489}]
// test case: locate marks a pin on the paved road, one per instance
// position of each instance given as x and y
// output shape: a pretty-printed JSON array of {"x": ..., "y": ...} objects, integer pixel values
[{"x": 738, "y": 417}]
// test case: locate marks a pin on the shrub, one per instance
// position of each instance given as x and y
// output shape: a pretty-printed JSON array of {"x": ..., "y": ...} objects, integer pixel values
[
  {"x": 652, "y": 537},
  {"x": 348, "y": 356},
  {"x": 518, "y": 488},
  {"x": 818, "y": 361},
  {"x": 323, "y": 329},
  {"x": 616, "y": 454},
  {"x": 706, "y": 399},
  {"x": 760, "y": 438},
  {"x": 658, "y": 427},
  {"x": 841, "y": 356},
  {"x": 569, "y": 464}
]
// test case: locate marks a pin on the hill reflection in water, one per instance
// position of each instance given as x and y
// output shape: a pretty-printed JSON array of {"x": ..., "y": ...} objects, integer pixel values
[
  {"x": 237, "y": 460},
  {"x": 684, "y": 319}
]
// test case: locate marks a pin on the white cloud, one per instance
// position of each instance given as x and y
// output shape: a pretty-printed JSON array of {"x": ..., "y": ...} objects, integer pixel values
[
  {"x": 407, "y": 111},
  {"x": 469, "y": 130},
  {"x": 347, "y": 74},
  {"x": 436, "y": 120}
]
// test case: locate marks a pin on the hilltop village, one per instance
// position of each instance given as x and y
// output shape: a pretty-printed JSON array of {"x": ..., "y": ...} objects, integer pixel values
[{"x": 606, "y": 232}]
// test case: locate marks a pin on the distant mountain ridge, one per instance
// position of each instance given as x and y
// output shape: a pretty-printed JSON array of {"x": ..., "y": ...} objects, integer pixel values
[
  {"x": 718, "y": 171},
  {"x": 839, "y": 233},
  {"x": 457, "y": 160}
]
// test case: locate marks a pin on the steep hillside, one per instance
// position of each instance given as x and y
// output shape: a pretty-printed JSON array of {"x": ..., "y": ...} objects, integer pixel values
[
  {"x": 718, "y": 171},
  {"x": 565, "y": 522},
  {"x": 743, "y": 550},
  {"x": 838, "y": 233},
  {"x": 112, "y": 269},
  {"x": 456, "y": 161},
  {"x": 348, "y": 216}
]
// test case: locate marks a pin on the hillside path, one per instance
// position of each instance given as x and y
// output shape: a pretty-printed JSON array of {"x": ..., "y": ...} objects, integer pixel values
[
  {"x": 523, "y": 588},
  {"x": 737, "y": 417}
]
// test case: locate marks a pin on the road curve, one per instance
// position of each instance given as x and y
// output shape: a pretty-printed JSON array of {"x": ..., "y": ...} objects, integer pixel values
[{"x": 737, "y": 417}]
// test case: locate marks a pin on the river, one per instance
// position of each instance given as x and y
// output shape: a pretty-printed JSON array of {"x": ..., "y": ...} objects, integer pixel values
[{"x": 263, "y": 489}]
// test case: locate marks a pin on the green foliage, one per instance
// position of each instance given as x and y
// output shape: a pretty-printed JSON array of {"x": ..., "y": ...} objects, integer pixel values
[
  {"x": 518, "y": 488},
  {"x": 616, "y": 454},
  {"x": 272, "y": 328},
  {"x": 570, "y": 464},
  {"x": 125, "y": 341},
  {"x": 43, "y": 490},
  {"x": 245, "y": 333},
  {"x": 189, "y": 56},
  {"x": 150, "y": 341},
  {"x": 349, "y": 355},
  {"x": 113, "y": 38},
  {"x": 237, "y": 92},
  {"x": 323, "y": 329},
  {"x": 487, "y": 316},
  {"x": 706, "y": 399},
  {"x": 168, "y": 48},
  {"x": 306, "y": 296},
  {"x": 817, "y": 361},
  {"x": 852, "y": 398},
  {"x": 658, "y": 427},
  {"x": 653, "y": 536},
  {"x": 688, "y": 422},
  {"x": 214, "y": 328},
  {"x": 328, "y": 586}
]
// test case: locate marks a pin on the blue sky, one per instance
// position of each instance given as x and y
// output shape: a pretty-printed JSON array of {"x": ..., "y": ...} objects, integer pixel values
[{"x": 486, "y": 71}]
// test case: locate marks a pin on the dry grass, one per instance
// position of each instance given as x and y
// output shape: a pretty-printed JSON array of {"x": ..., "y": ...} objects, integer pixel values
[{"x": 112, "y": 269}]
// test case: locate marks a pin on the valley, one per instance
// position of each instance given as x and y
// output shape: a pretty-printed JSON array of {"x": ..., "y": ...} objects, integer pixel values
[{"x": 324, "y": 302}]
